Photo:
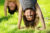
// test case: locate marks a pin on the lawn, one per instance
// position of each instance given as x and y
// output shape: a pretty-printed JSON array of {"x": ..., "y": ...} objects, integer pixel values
[{"x": 8, "y": 24}]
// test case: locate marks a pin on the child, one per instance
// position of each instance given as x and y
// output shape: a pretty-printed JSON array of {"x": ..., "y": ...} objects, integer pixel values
[{"x": 30, "y": 5}]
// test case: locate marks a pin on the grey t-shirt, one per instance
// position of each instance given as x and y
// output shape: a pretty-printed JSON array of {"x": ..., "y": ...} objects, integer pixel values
[{"x": 28, "y": 3}]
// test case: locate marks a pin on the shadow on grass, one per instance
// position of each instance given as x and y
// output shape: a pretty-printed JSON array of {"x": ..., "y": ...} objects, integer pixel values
[
  {"x": 48, "y": 31},
  {"x": 5, "y": 18},
  {"x": 2, "y": 2},
  {"x": 16, "y": 30}
]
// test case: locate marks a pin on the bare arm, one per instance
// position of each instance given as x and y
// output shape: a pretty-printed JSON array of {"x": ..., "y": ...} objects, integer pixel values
[
  {"x": 40, "y": 16},
  {"x": 20, "y": 16},
  {"x": 5, "y": 7}
]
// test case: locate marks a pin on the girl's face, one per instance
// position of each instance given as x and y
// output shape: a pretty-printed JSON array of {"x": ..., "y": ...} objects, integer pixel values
[
  {"x": 12, "y": 5},
  {"x": 29, "y": 14}
]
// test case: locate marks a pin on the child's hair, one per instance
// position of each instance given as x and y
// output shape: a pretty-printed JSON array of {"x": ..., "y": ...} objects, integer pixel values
[{"x": 12, "y": 11}]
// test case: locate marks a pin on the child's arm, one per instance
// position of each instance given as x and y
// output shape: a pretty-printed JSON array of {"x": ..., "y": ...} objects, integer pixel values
[
  {"x": 40, "y": 16},
  {"x": 20, "y": 16},
  {"x": 5, "y": 7}
]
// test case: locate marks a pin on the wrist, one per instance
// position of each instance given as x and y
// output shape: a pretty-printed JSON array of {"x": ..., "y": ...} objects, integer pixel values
[{"x": 44, "y": 27}]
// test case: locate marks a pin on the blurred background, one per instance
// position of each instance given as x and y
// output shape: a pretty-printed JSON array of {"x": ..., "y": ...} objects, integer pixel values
[{"x": 8, "y": 24}]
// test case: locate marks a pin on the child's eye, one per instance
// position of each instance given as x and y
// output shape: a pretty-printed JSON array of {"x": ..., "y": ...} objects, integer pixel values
[{"x": 30, "y": 16}]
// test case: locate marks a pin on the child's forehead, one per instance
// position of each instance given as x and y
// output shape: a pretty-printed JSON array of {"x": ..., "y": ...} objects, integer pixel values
[
  {"x": 29, "y": 11},
  {"x": 12, "y": 0}
]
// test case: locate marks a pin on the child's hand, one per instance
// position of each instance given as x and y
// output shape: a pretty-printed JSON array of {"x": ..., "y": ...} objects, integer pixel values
[
  {"x": 18, "y": 27},
  {"x": 41, "y": 28}
]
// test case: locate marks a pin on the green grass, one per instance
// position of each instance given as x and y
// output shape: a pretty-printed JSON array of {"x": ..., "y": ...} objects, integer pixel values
[{"x": 8, "y": 24}]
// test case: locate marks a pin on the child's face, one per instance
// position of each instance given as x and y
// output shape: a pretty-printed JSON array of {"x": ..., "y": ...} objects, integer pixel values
[
  {"x": 29, "y": 14},
  {"x": 12, "y": 5}
]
